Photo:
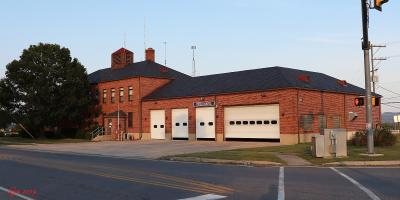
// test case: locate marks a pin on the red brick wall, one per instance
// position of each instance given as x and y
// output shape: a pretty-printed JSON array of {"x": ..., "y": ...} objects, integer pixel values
[
  {"x": 309, "y": 102},
  {"x": 148, "y": 85},
  {"x": 141, "y": 87},
  {"x": 286, "y": 98},
  {"x": 126, "y": 106},
  {"x": 293, "y": 103},
  {"x": 333, "y": 104}
]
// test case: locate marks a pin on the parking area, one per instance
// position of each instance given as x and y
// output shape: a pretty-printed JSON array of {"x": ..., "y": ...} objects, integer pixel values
[{"x": 150, "y": 149}]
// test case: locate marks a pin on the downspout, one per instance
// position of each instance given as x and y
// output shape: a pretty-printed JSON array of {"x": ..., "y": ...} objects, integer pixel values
[
  {"x": 297, "y": 116},
  {"x": 140, "y": 112},
  {"x": 344, "y": 112},
  {"x": 323, "y": 111}
]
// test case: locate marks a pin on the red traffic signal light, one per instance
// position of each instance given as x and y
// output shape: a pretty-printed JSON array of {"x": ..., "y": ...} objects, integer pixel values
[
  {"x": 359, "y": 101},
  {"x": 378, "y": 4}
]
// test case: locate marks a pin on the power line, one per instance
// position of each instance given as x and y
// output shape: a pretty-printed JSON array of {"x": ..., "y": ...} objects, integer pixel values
[
  {"x": 395, "y": 97},
  {"x": 388, "y": 90},
  {"x": 391, "y": 106}
]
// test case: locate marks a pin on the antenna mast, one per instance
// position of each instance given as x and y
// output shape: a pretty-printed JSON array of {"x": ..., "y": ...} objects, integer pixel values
[
  {"x": 194, "y": 62},
  {"x": 165, "y": 53},
  {"x": 124, "y": 39}
]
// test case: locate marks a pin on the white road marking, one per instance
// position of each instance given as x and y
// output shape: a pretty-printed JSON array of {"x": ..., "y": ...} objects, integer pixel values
[
  {"x": 366, "y": 190},
  {"x": 206, "y": 197},
  {"x": 281, "y": 187},
  {"x": 10, "y": 192}
]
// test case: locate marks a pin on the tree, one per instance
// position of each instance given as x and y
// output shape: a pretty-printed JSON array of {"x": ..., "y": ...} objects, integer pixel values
[
  {"x": 4, "y": 119},
  {"x": 46, "y": 89}
]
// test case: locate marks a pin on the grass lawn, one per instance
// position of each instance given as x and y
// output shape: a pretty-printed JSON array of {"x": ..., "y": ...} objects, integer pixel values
[
  {"x": 302, "y": 150},
  {"x": 237, "y": 154},
  {"x": 19, "y": 140}
]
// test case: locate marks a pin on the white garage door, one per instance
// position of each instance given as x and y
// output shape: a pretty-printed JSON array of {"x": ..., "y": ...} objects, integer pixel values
[
  {"x": 260, "y": 122},
  {"x": 157, "y": 125},
  {"x": 205, "y": 122},
  {"x": 180, "y": 123}
]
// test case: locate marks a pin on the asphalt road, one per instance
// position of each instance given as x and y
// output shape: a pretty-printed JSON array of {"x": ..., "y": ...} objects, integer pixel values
[{"x": 37, "y": 175}]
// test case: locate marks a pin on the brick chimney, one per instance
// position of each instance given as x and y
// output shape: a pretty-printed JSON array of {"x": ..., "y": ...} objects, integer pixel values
[
  {"x": 121, "y": 58},
  {"x": 150, "y": 55}
]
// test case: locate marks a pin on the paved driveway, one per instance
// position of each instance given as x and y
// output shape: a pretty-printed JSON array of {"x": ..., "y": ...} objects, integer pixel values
[{"x": 142, "y": 149}]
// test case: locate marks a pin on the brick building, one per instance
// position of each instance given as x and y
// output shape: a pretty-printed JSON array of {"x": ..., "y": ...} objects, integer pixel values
[{"x": 147, "y": 100}]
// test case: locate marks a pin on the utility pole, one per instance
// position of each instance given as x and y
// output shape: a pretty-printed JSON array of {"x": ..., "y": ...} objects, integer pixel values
[
  {"x": 365, "y": 48},
  {"x": 365, "y": 5},
  {"x": 373, "y": 70},
  {"x": 194, "y": 62}
]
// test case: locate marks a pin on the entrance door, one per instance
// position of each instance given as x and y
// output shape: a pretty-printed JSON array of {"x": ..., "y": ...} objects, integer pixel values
[
  {"x": 180, "y": 123},
  {"x": 108, "y": 126},
  {"x": 157, "y": 119},
  {"x": 205, "y": 123}
]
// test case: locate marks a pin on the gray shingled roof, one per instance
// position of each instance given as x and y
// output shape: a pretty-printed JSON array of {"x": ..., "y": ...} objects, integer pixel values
[
  {"x": 263, "y": 79},
  {"x": 143, "y": 69},
  {"x": 251, "y": 80}
]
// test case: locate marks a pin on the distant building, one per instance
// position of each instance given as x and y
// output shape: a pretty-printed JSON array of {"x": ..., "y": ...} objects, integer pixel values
[{"x": 287, "y": 105}]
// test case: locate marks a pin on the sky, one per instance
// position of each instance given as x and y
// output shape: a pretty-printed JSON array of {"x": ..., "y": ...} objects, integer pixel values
[{"x": 230, "y": 35}]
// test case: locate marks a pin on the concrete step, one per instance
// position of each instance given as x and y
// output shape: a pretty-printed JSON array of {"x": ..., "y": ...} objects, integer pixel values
[{"x": 102, "y": 138}]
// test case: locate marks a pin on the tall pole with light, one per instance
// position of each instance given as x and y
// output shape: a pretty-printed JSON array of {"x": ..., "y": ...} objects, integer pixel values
[
  {"x": 365, "y": 5},
  {"x": 193, "y": 62}
]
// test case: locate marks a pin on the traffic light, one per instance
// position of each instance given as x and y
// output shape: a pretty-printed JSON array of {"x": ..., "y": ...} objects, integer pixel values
[
  {"x": 359, "y": 101},
  {"x": 376, "y": 101},
  {"x": 378, "y": 4}
]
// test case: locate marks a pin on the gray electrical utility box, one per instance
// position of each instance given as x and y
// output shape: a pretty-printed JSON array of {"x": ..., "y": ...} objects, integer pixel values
[{"x": 330, "y": 143}]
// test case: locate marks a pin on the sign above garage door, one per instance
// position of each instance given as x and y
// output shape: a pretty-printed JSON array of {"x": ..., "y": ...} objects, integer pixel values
[{"x": 204, "y": 104}]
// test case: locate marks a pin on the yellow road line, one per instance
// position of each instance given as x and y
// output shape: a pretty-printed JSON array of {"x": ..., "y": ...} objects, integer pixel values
[{"x": 203, "y": 187}]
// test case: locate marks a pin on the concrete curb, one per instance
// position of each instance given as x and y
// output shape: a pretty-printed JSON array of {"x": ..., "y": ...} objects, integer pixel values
[
  {"x": 364, "y": 163},
  {"x": 221, "y": 161}
]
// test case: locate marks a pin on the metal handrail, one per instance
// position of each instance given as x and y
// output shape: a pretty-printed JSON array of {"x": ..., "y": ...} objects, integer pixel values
[{"x": 97, "y": 131}]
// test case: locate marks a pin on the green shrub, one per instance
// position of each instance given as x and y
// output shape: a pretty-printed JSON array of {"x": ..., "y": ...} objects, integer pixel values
[
  {"x": 359, "y": 139},
  {"x": 81, "y": 134},
  {"x": 382, "y": 137},
  {"x": 69, "y": 132},
  {"x": 53, "y": 135}
]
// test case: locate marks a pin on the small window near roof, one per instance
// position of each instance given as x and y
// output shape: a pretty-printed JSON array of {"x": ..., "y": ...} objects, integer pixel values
[
  {"x": 231, "y": 123},
  {"x": 210, "y": 123},
  {"x": 238, "y": 122},
  {"x": 274, "y": 122},
  {"x": 121, "y": 94},
  {"x": 252, "y": 122},
  {"x": 266, "y": 121},
  {"x": 176, "y": 124},
  {"x": 130, "y": 93},
  {"x": 184, "y": 124},
  {"x": 245, "y": 122},
  {"x": 259, "y": 122},
  {"x": 201, "y": 123},
  {"x": 104, "y": 96},
  {"x": 112, "y": 95}
]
